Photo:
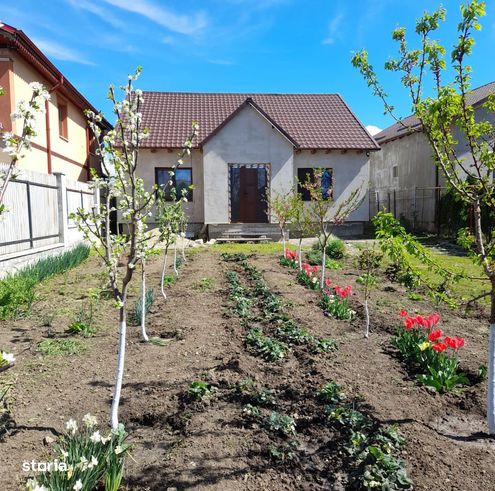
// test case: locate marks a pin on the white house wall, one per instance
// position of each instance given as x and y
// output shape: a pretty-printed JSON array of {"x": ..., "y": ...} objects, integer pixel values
[
  {"x": 350, "y": 171},
  {"x": 165, "y": 158},
  {"x": 247, "y": 139}
]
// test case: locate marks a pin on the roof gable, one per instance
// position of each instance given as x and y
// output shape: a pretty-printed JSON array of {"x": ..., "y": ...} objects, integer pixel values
[{"x": 308, "y": 121}]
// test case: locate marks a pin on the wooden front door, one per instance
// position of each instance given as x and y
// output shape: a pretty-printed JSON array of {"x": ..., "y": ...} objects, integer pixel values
[{"x": 248, "y": 194}]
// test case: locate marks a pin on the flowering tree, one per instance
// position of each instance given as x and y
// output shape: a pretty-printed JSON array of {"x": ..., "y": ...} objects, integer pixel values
[
  {"x": 16, "y": 147},
  {"x": 468, "y": 167},
  {"x": 327, "y": 213},
  {"x": 279, "y": 204},
  {"x": 300, "y": 220},
  {"x": 119, "y": 151}
]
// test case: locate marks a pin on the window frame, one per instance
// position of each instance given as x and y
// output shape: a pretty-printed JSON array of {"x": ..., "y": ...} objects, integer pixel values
[
  {"x": 310, "y": 170},
  {"x": 63, "y": 122},
  {"x": 190, "y": 193}
]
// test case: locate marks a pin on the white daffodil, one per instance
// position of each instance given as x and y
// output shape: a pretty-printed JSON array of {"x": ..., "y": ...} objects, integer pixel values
[
  {"x": 78, "y": 485},
  {"x": 71, "y": 426},
  {"x": 83, "y": 463},
  {"x": 118, "y": 450},
  {"x": 89, "y": 421},
  {"x": 64, "y": 454},
  {"x": 96, "y": 437},
  {"x": 8, "y": 357},
  {"x": 93, "y": 462},
  {"x": 106, "y": 439}
]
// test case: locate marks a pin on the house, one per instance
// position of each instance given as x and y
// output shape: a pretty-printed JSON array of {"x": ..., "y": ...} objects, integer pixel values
[
  {"x": 251, "y": 144},
  {"x": 63, "y": 141},
  {"x": 404, "y": 178}
]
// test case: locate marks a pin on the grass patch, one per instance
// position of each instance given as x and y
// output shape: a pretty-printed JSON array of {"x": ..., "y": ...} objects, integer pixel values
[
  {"x": 17, "y": 291},
  {"x": 59, "y": 347},
  {"x": 204, "y": 284},
  {"x": 263, "y": 248}
]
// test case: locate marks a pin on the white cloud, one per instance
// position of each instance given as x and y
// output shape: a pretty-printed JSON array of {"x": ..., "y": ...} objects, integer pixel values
[
  {"x": 215, "y": 61},
  {"x": 60, "y": 52},
  {"x": 373, "y": 130},
  {"x": 182, "y": 24},
  {"x": 333, "y": 29},
  {"x": 100, "y": 12}
]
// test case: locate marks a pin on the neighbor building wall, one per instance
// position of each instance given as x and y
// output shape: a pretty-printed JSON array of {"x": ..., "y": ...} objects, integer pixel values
[
  {"x": 246, "y": 139},
  {"x": 68, "y": 156}
]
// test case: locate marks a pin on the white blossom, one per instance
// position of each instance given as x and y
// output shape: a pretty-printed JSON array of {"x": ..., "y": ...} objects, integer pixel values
[
  {"x": 78, "y": 485},
  {"x": 71, "y": 426},
  {"x": 89, "y": 420}
]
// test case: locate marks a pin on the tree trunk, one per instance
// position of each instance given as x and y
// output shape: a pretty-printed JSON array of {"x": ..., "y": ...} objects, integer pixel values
[
  {"x": 367, "y": 314},
  {"x": 143, "y": 302},
  {"x": 119, "y": 373},
  {"x": 283, "y": 239},
  {"x": 491, "y": 365},
  {"x": 183, "y": 245},
  {"x": 323, "y": 267},
  {"x": 300, "y": 254},
  {"x": 176, "y": 273},
  {"x": 164, "y": 269}
]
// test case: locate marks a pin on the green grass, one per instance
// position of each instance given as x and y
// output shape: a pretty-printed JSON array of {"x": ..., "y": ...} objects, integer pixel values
[
  {"x": 465, "y": 289},
  {"x": 262, "y": 248},
  {"x": 17, "y": 291},
  {"x": 60, "y": 347}
]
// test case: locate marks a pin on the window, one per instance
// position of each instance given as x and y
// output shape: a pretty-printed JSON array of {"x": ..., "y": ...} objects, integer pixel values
[
  {"x": 304, "y": 174},
  {"x": 62, "y": 120},
  {"x": 395, "y": 171},
  {"x": 180, "y": 181}
]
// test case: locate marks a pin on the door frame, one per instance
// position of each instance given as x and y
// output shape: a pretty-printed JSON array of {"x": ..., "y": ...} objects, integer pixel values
[{"x": 266, "y": 166}]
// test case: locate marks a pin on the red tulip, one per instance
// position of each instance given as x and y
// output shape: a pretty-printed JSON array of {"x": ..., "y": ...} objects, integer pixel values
[
  {"x": 328, "y": 282},
  {"x": 439, "y": 347},
  {"x": 435, "y": 335},
  {"x": 409, "y": 322},
  {"x": 434, "y": 319},
  {"x": 403, "y": 313},
  {"x": 459, "y": 342}
]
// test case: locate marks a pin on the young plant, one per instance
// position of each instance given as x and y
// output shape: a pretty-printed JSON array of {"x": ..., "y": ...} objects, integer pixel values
[
  {"x": 279, "y": 204},
  {"x": 267, "y": 347},
  {"x": 301, "y": 222},
  {"x": 16, "y": 146},
  {"x": 444, "y": 114},
  {"x": 199, "y": 389},
  {"x": 327, "y": 213},
  {"x": 280, "y": 423},
  {"x": 120, "y": 147},
  {"x": 83, "y": 323},
  {"x": 368, "y": 262}
]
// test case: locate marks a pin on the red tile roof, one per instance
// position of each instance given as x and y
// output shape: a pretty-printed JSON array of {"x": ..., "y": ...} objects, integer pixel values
[
  {"x": 411, "y": 124},
  {"x": 309, "y": 121}
]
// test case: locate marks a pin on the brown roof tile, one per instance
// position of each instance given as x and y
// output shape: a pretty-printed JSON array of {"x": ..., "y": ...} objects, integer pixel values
[{"x": 308, "y": 120}]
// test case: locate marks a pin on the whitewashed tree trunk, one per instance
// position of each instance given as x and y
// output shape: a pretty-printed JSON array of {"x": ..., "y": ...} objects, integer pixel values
[
  {"x": 119, "y": 373},
  {"x": 176, "y": 272},
  {"x": 491, "y": 381},
  {"x": 183, "y": 248},
  {"x": 300, "y": 254},
  {"x": 283, "y": 240},
  {"x": 367, "y": 313},
  {"x": 323, "y": 267},
  {"x": 143, "y": 302},
  {"x": 164, "y": 269}
]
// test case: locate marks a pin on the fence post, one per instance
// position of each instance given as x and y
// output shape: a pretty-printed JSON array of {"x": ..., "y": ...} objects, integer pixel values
[{"x": 63, "y": 219}]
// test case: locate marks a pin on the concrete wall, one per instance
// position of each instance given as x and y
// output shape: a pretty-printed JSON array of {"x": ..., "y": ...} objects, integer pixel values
[
  {"x": 164, "y": 158},
  {"x": 350, "y": 171},
  {"x": 247, "y": 139},
  {"x": 68, "y": 155}
]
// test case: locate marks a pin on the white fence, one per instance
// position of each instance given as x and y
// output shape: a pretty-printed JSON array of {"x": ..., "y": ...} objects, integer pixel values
[{"x": 37, "y": 220}]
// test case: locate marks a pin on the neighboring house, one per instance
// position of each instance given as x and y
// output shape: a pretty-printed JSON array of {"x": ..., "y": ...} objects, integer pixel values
[
  {"x": 63, "y": 141},
  {"x": 251, "y": 144},
  {"x": 404, "y": 178}
]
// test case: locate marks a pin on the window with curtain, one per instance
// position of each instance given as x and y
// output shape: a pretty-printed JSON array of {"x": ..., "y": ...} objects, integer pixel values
[{"x": 181, "y": 180}]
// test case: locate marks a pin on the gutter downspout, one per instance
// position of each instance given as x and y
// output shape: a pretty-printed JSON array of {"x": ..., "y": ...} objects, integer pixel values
[{"x": 48, "y": 130}]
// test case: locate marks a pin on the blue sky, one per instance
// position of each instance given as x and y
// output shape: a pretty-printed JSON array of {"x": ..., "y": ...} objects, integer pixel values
[{"x": 234, "y": 45}]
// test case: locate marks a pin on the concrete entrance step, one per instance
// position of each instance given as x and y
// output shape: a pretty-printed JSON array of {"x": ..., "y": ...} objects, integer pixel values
[{"x": 244, "y": 232}]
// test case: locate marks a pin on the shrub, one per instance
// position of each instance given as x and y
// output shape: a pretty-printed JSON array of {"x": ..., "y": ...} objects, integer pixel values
[
  {"x": 335, "y": 248},
  {"x": 314, "y": 257},
  {"x": 369, "y": 260},
  {"x": 17, "y": 290},
  {"x": 85, "y": 460}
]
